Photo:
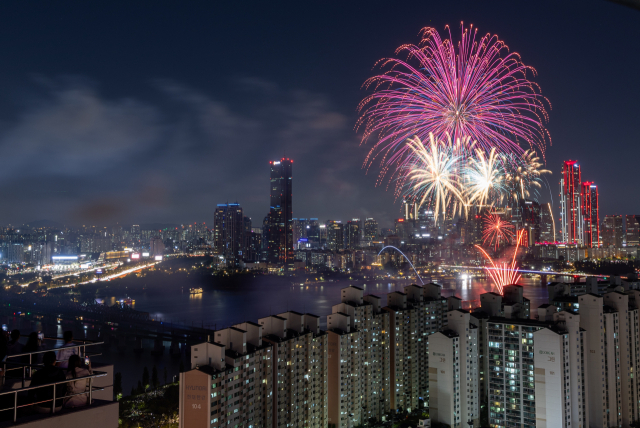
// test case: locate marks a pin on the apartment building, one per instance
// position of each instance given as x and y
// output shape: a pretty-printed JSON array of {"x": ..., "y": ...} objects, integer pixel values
[
  {"x": 230, "y": 381},
  {"x": 345, "y": 388},
  {"x": 300, "y": 369},
  {"x": 414, "y": 315},
  {"x": 560, "y": 371},
  {"x": 372, "y": 323},
  {"x": 454, "y": 373}
]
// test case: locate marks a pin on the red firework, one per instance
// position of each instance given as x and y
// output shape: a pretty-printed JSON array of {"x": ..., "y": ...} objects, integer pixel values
[
  {"x": 503, "y": 273},
  {"x": 496, "y": 230}
]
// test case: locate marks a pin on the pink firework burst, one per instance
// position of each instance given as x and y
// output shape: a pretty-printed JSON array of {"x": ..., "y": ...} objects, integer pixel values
[
  {"x": 474, "y": 90},
  {"x": 503, "y": 273},
  {"x": 496, "y": 230}
]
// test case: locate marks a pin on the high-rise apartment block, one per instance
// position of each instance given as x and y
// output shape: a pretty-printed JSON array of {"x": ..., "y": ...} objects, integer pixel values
[
  {"x": 454, "y": 395},
  {"x": 612, "y": 231},
  {"x": 286, "y": 371},
  {"x": 590, "y": 215},
  {"x": 370, "y": 229},
  {"x": 300, "y": 368},
  {"x": 570, "y": 202},
  {"x": 335, "y": 235},
  {"x": 632, "y": 233},
  {"x": 230, "y": 381},
  {"x": 229, "y": 232},
  {"x": 547, "y": 224},
  {"x": 280, "y": 234},
  {"x": 352, "y": 233}
]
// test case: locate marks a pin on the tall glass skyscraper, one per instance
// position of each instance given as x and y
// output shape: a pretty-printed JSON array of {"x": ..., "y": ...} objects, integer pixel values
[
  {"x": 590, "y": 215},
  {"x": 280, "y": 244},
  {"x": 570, "y": 203}
]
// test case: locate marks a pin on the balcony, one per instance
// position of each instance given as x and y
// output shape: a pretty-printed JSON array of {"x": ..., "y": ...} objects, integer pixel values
[{"x": 17, "y": 403}]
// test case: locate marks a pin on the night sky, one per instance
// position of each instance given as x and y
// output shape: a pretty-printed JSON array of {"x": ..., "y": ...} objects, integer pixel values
[{"x": 143, "y": 112}]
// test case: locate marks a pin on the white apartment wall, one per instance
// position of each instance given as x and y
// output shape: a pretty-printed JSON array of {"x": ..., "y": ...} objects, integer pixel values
[
  {"x": 233, "y": 338},
  {"x": 339, "y": 320},
  {"x": 375, "y": 301},
  {"x": 549, "y": 374},
  {"x": 459, "y": 322},
  {"x": 397, "y": 299},
  {"x": 443, "y": 377},
  {"x": 254, "y": 332},
  {"x": 414, "y": 292},
  {"x": 346, "y": 308},
  {"x": 273, "y": 325},
  {"x": 577, "y": 359},
  {"x": 312, "y": 323},
  {"x": 592, "y": 320},
  {"x": 621, "y": 304},
  {"x": 295, "y": 321},
  {"x": 352, "y": 294},
  {"x": 211, "y": 354}
]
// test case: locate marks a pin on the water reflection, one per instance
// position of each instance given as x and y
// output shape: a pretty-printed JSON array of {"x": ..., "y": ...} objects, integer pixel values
[{"x": 224, "y": 307}]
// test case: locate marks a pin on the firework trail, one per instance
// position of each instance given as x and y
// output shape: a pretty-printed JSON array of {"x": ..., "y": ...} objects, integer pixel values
[
  {"x": 472, "y": 90},
  {"x": 504, "y": 274},
  {"x": 522, "y": 174},
  {"x": 433, "y": 177},
  {"x": 484, "y": 176},
  {"x": 496, "y": 230}
]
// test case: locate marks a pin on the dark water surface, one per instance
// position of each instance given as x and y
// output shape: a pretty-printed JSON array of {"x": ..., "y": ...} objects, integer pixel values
[{"x": 219, "y": 308}]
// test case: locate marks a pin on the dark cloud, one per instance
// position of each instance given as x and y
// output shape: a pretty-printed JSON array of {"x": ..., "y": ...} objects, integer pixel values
[{"x": 174, "y": 158}]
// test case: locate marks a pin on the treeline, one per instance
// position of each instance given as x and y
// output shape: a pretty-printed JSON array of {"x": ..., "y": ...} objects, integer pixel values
[{"x": 607, "y": 267}]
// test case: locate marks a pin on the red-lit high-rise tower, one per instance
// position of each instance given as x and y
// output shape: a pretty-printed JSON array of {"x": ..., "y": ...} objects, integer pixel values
[
  {"x": 570, "y": 202},
  {"x": 590, "y": 214}
]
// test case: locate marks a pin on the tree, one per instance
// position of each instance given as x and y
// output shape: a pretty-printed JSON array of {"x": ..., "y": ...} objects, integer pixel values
[
  {"x": 165, "y": 375},
  {"x": 181, "y": 368},
  {"x": 145, "y": 377},
  {"x": 117, "y": 385},
  {"x": 154, "y": 377},
  {"x": 140, "y": 389}
]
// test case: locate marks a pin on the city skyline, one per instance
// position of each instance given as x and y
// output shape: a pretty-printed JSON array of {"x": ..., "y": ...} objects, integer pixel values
[{"x": 99, "y": 134}]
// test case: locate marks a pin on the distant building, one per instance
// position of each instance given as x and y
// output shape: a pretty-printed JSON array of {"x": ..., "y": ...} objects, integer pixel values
[
  {"x": 570, "y": 202},
  {"x": 352, "y": 234},
  {"x": 280, "y": 244},
  {"x": 633, "y": 230},
  {"x": 370, "y": 229},
  {"x": 228, "y": 232},
  {"x": 530, "y": 217},
  {"x": 612, "y": 233},
  {"x": 335, "y": 235},
  {"x": 590, "y": 215},
  {"x": 547, "y": 224},
  {"x": 156, "y": 247}
]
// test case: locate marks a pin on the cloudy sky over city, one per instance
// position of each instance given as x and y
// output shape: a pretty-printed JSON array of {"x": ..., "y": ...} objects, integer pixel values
[{"x": 150, "y": 112}]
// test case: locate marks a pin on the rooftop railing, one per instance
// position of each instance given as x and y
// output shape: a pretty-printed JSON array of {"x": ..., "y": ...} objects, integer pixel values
[
  {"x": 53, "y": 400},
  {"x": 17, "y": 368},
  {"x": 14, "y": 362}
]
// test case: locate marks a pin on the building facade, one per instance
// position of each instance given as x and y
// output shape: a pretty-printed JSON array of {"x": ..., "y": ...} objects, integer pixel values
[{"x": 280, "y": 233}]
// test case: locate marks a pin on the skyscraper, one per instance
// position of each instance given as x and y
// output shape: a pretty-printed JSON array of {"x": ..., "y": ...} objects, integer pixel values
[
  {"x": 335, "y": 235},
  {"x": 370, "y": 229},
  {"x": 280, "y": 246},
  {"x": 612, "y": 231},
  {"x": 570, "y": 202},
  {"x": 352, "y": 234},
  {"x": 530, "y": 218},
  {"x": 633, "y": 230},
  {"x": 590, "y": 215},
  {"x": 547, "y": 224},
  {"x": 228, "y": 232}
]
